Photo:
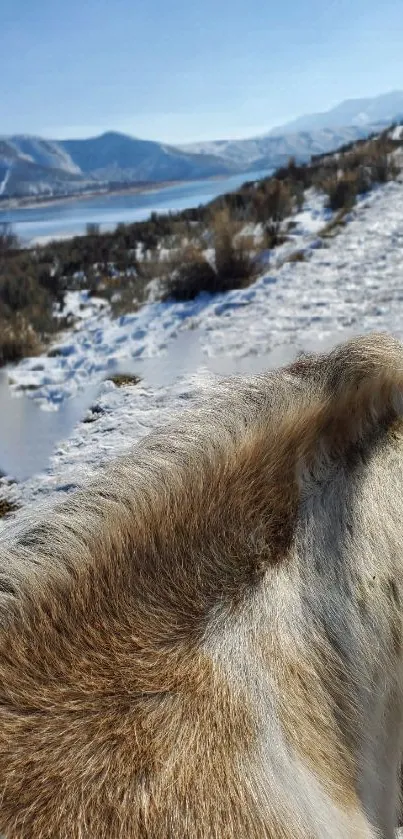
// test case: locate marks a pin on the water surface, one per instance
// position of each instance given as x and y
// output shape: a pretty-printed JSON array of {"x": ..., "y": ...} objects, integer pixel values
[{"x": 70, "y": 217}]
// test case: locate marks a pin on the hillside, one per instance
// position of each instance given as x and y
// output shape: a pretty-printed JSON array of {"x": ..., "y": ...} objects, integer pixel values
[
  {"x": 267, "y": 151},
  {"x": 117, "y": 157},
  {"x": 215, "y": 247}
]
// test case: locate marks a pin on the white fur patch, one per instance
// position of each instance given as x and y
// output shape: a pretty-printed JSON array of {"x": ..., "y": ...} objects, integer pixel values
[{"x": 277, "y": 779}]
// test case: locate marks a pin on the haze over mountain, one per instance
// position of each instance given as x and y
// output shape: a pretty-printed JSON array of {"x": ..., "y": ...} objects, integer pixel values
[{"x": 37, "y": 167}]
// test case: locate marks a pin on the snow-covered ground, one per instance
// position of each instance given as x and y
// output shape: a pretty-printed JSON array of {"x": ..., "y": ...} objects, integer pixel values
[
  {"x": 97, "y": 343},
  {"x": 348, "y": 284}
]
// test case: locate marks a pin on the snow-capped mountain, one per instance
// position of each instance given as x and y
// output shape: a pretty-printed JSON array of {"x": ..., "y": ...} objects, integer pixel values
[
  {"x": 267, "y": 151},
  {"x": 385, "y": 108},
  {"x": 32, "y": 165},
  {"x": 46, "y": 153},
  {"x": 310, "y": 134},
  {"x": 36, "y": 166}
]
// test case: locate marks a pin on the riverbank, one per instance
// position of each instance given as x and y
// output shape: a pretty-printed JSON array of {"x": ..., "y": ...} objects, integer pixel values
[
  {"x": 43, "y": 223},
  {"x": 33, "y": 203}
]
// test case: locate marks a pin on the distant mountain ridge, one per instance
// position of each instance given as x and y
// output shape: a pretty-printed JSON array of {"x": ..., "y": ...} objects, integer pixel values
[
  {"x": 39, "y": 167},
  {"x": 268, "y": 150},
  {"x": 315, "y": 133},
  {"x": 36, "y": 166},
  {"x": 385, "y": 109}
]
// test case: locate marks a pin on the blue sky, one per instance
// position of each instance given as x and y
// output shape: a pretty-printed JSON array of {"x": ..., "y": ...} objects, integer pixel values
[{"x": 182, "y": 70}]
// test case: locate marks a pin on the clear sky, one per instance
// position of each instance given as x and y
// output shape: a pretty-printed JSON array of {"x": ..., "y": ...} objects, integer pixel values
[{"x": 183, "y": 70}]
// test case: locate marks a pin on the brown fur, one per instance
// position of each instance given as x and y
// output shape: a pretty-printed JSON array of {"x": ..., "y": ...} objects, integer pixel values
[{"x": 117, "y": 718}]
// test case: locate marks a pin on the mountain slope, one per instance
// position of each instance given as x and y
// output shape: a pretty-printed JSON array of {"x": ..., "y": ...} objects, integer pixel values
[
  {"x": 47, "y": 153},
  {"x": 318, "y": 133},
  {"x": 267, "y": 151},
  {"x": 36, "y": 166},
  {"x": 114, "y": 156},
  {"x": 385, "y": 108}
]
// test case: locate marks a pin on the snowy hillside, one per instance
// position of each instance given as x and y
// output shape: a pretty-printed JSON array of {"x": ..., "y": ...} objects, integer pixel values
[
  {"x": 45, "y": 153},
  {"x": 260, "y": 152},
  {"x": 386, "y": 108},
  {"x": 348, "y": 284},
  {"x": 311, "y": 133}
]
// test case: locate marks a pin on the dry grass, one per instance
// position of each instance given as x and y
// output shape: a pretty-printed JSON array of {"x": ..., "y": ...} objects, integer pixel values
[
  {"x": 7, "y": 507},
  {"x": 18, "y": 339},
  {"x": 233, "y": 260},
  {"x": 296, "y": 256},
  {"x": 332, "y": 227},
  {"x": 190, "y": 274},
  {"x": 124, "y": 379}
]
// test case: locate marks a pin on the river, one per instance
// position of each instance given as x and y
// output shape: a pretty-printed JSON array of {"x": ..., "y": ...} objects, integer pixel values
[{"x": 70, "y": 217}]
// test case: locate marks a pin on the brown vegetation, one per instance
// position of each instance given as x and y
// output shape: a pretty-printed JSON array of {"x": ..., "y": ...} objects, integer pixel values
[
  {"x": 124, "y": 379},
  {"x": 296, "y": 256},
  {"x": 191, "y": 274},
  {"x": 7, "y": 507}
]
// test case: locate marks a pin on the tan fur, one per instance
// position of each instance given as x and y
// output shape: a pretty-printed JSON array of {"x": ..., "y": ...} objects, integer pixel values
[{"x": 207, "y": 640}]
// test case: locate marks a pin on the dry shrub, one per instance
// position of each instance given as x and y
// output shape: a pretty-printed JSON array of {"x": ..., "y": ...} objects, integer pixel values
[
  {"x": 190, "y": 276},
  {"x": 339, "y": 220},
  {"x": 233, "y": 262},
  {"x": 274, "y": 200},
  {"x": 7, "y": 507},
  {"x": 18, "y": 339},
  {"x": 355, "y": 172},
  {"x": 272, "y": 235},
  {"x": 124, "y": 379},
  {"x": 296, "y": 256},
  {"x": 342, "y": 190}
]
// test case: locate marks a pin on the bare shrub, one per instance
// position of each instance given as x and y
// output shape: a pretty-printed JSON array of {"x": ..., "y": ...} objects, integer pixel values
[
  {"x": 296, "y": 256},
  {"x": 338, "y": 220},
  {"x": 190, "y": 273},
  {"x": 190, "y": 279},
  {"x": 233, "y": 262},
  {"x": 341, "y": 190},
  {"x": 18, "y": 339}
]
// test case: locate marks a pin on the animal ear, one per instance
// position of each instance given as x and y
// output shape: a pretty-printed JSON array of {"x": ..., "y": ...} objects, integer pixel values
[{"x": 353, "y": 390}]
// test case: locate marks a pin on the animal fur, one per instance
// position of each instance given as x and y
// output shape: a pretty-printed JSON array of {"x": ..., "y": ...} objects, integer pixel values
[{"x": 206, "y": 641}]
